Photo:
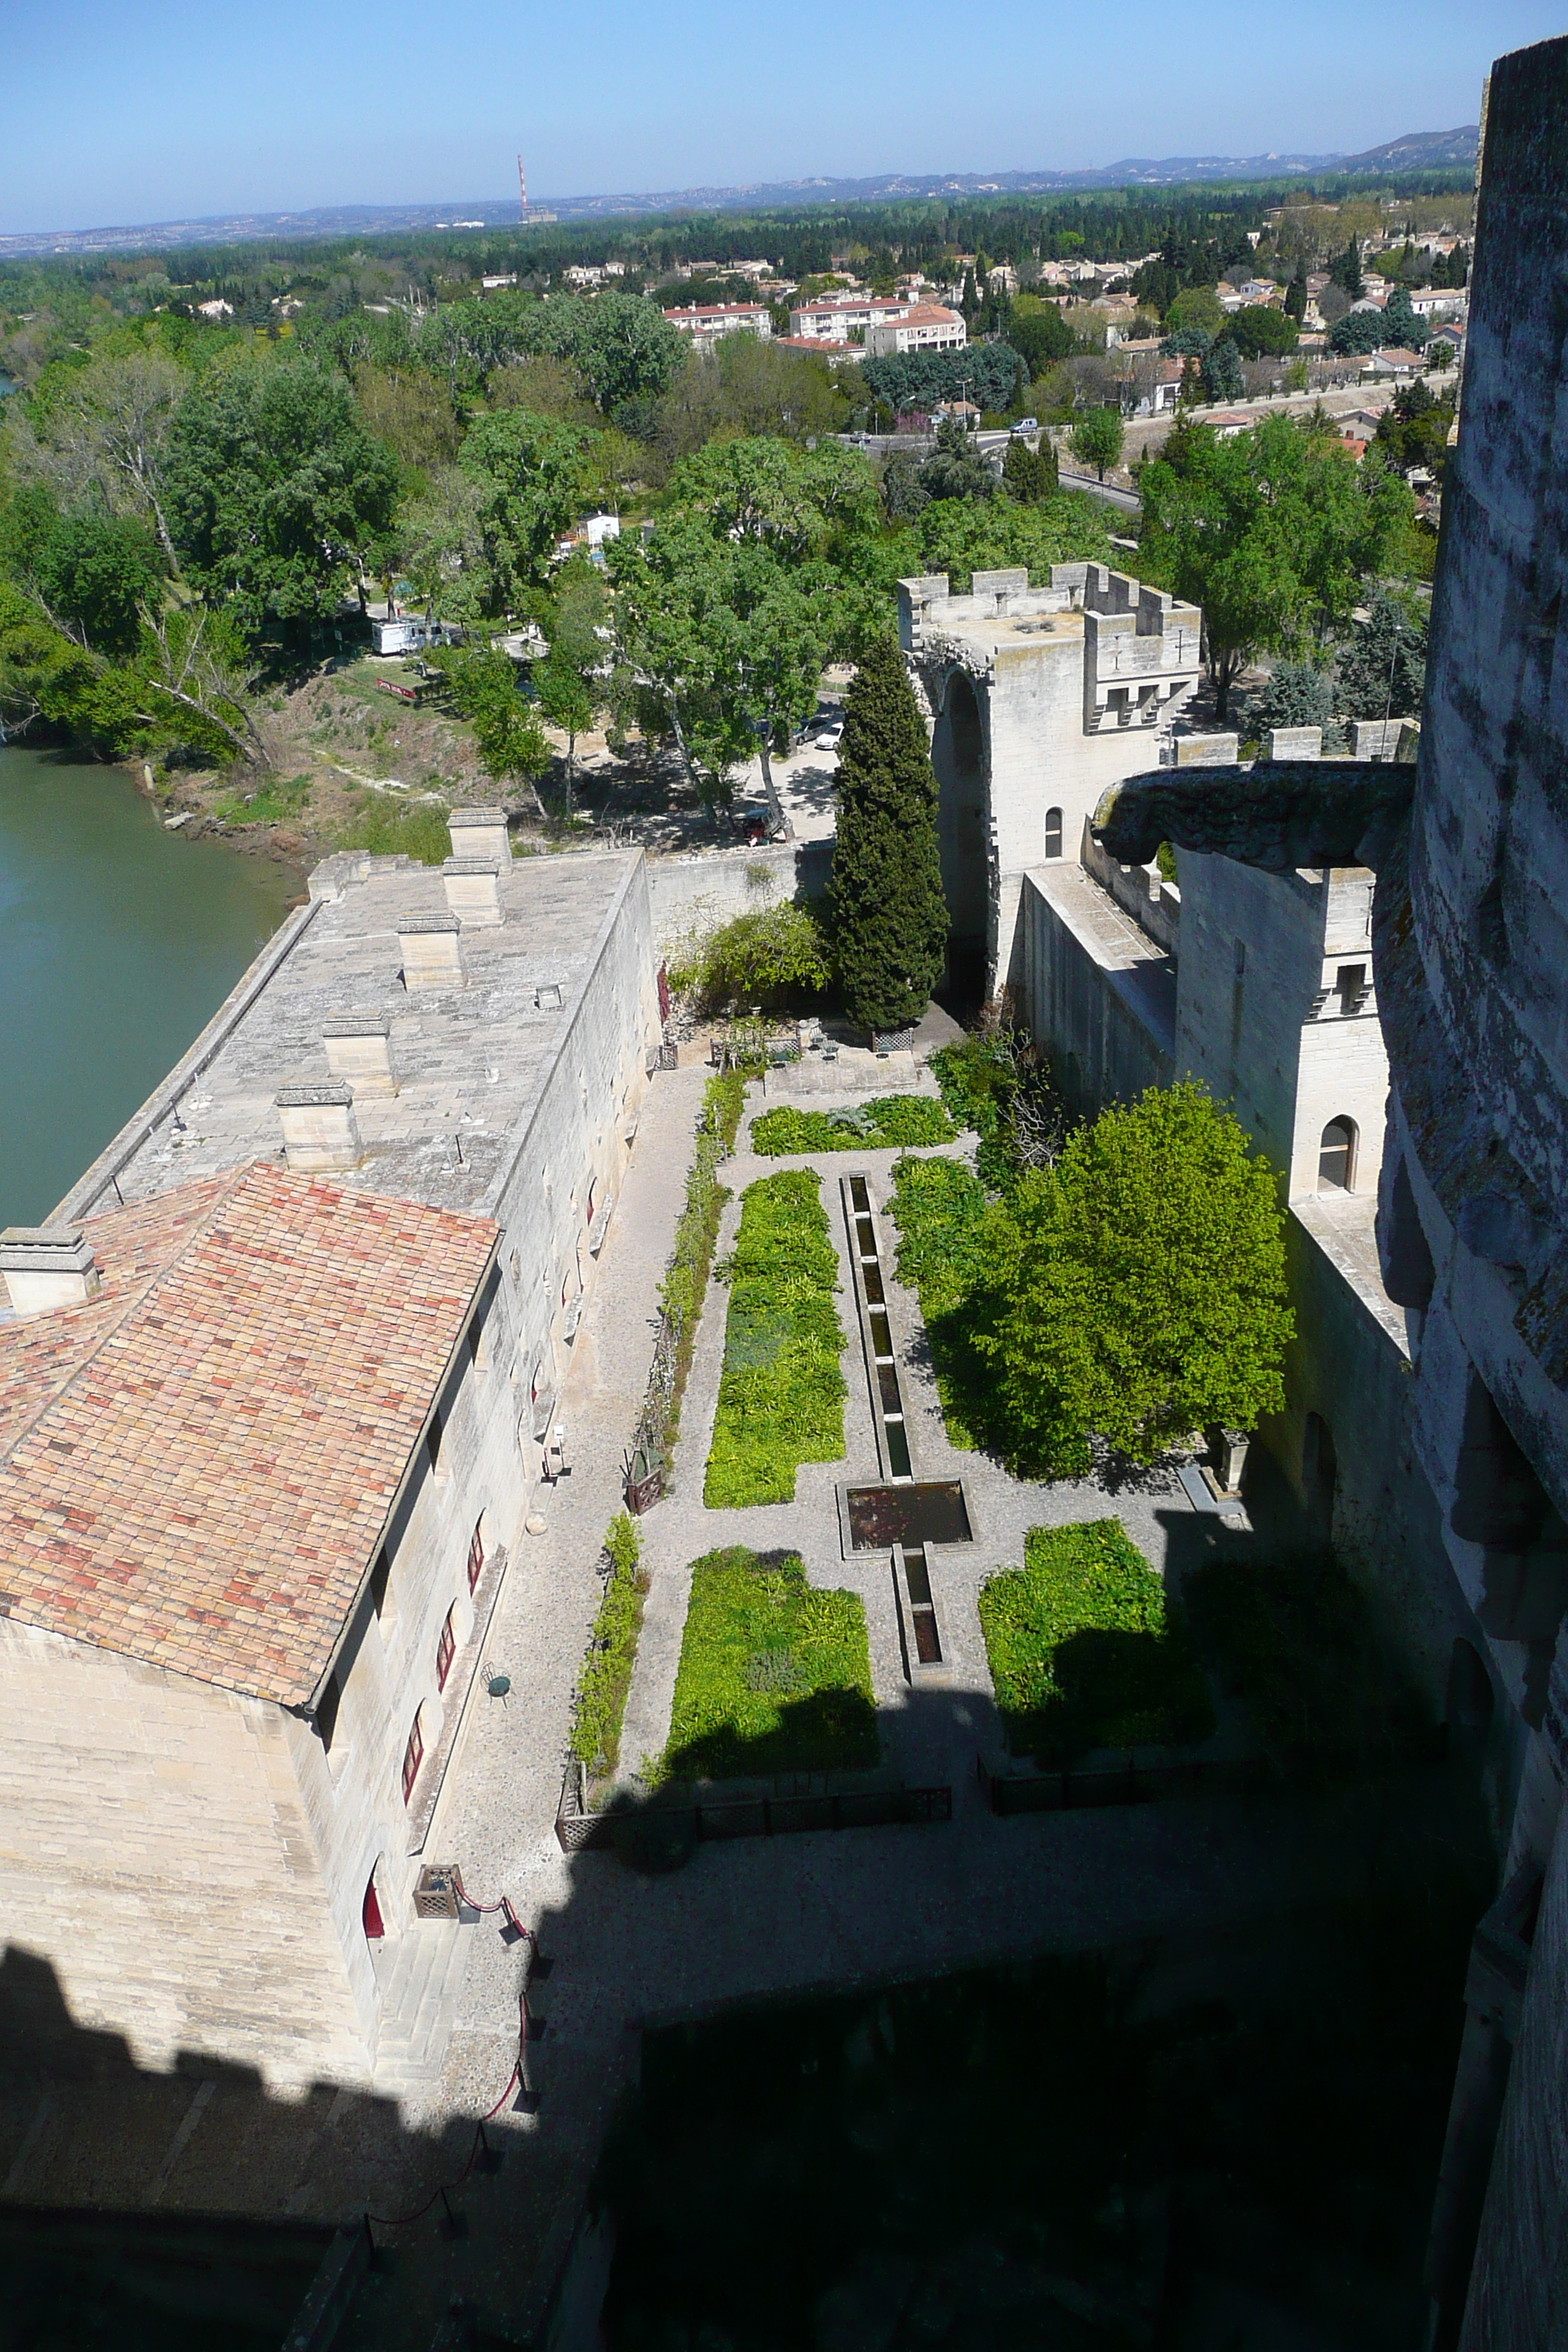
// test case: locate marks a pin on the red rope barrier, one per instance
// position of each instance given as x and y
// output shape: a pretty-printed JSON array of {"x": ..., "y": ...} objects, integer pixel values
[{"x": 404, "y": 2220}]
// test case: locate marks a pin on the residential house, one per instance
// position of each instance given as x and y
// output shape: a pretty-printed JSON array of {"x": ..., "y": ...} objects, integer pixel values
[{"x": 706, "y": 321}]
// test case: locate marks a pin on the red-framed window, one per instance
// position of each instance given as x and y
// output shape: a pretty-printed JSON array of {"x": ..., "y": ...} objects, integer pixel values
[
  {"x": 446, "y": 1651},
  {"x": 413, "y": 1755},
  {"x": 477, "y": 1553},
  {"x": 374, "y": 1929}
]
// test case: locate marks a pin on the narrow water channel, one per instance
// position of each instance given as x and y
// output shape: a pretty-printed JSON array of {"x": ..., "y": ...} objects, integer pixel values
[{"x": 117, "y": 941}]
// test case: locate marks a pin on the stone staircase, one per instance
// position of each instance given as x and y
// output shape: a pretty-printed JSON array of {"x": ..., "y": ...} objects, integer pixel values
[{"x": 420, "y": 1991}]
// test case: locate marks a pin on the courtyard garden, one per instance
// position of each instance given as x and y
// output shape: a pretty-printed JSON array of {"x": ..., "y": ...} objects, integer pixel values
[
  {"x": 775, "y": 1675},
  {"x": 781, "y": 1392},
  {"x": 1084, "y": 1652}
]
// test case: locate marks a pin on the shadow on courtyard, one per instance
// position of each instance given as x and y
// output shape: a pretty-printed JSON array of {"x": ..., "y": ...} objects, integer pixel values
[{"x": 1166, "y": 2074}]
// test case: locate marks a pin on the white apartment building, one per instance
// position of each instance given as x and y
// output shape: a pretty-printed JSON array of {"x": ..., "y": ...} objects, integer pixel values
[
  {"x": 834, "y": 318},
  {"x": 927, "y": 327},
  {"x": 706, "y": 321}
]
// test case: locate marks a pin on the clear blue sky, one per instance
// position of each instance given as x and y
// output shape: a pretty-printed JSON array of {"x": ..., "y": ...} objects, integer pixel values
[{"x": 129, "y": 110}]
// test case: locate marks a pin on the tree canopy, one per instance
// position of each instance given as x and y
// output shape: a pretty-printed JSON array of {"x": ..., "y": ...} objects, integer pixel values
[
  {"x": 1271, "y": 532},
  {"x": 276, "y": 493},
  {"x": 1147, "y": 1296}
]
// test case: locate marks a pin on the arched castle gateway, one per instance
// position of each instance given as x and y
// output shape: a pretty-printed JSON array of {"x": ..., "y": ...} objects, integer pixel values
[{"x": 1037, "y": 699}]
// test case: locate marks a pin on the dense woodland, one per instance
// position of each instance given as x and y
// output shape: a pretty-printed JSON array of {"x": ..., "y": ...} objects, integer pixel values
[{"x": 196, "y": 510}]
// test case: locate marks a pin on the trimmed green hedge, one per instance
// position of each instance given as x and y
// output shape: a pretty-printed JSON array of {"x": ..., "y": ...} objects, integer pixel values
[
  {"x": 877, "y": 1126},
  {"x": 781, "y": 1394},
  {"x": 605, "y": 1678},
  {"x": 775, "y": 1675},
  {"x": 1082, "y": 1652}
]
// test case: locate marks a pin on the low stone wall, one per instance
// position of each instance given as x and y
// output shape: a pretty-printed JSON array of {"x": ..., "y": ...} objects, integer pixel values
[{"x": 691, "y": 897}]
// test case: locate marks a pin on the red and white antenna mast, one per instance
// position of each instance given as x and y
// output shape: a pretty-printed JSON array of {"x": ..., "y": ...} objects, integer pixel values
[{"x": 522, "y": 188}]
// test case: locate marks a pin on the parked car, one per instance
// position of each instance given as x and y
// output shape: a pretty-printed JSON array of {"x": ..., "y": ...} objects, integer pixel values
[
  {"x": 827, "y": 738},
  {"x": 1027, "y": 424}
]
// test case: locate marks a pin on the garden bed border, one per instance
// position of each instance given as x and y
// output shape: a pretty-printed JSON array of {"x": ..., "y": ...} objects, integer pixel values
[{"x": 755, "y": 1809}]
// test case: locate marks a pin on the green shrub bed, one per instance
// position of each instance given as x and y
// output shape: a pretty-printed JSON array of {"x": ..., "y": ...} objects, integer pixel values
[
  {"x": 950, "y": 1239},
  {"x": 781, "y": 1394},
  {"x": 600, "y": 1701},
  {"x": 775, "y": 1675},
  {"x": 888, "y": 1121},
  {"x": 1082, "y": 1651},
  {"x": 686, "y": 1276},
  {"x": 1296, "y": 1642}
]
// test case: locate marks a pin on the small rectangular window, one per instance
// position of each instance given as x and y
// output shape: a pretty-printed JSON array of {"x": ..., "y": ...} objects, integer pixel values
[
  {"x": 1240, "y": 958},
  {"x": 380, "y": 1579},
  {"x": 446, "y": 1649},
  {"x": 433, "y": 1442},
  {"x": 413, "y": 1756},
  {"x": 1349, "y": 984},
  {"x": 476, "y": 1552}
]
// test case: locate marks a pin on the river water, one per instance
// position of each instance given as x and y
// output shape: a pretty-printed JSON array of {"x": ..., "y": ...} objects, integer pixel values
[{"x": 117, "y": 942}]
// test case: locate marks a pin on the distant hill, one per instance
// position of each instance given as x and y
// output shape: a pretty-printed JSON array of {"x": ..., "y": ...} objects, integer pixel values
[{"x": 1419, "y": 151}]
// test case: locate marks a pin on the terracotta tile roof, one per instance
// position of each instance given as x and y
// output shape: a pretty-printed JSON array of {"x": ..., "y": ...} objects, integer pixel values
[{"x": 196, "y": 1465}]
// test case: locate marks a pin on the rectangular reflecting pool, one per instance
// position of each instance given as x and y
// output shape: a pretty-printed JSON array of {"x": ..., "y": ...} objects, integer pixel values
[{"x": 929, "y": 1511}]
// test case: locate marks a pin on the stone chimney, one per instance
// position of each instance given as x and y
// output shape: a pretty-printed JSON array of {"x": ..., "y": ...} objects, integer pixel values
[
  {"x": 432, "y": 951},
  {"x": 480, "y": 832},
  {"x": 320, "y": 1130},
  {"x": 47, "y": 1266},
  {"x": 359, "y": 1051},
  {"x": 473, "y": 891}
]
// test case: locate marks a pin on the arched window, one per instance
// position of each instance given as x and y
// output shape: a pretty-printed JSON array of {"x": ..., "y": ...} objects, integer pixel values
[
  {"x": 1053, "y": 833},
  {"x": 370, "y": 1912},
  {"x": 446, "y": 1651},
  {"x": 476, "y": 1552},
  {"x": 1336, "y": 1156}
]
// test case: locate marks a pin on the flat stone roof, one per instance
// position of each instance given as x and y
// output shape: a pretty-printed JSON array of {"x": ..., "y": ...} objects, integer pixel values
[
  {"x": 1345, "y": 1227},
  {"x": 1137, "y": 971},
  {"x": 470, "y": 1062}
]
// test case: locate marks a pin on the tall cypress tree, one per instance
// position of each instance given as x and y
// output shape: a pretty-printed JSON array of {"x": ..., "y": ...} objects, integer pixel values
[{"x": 889, "y": 918}]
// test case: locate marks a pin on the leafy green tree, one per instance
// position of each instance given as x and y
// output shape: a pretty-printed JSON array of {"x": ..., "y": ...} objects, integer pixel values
[
  {"x": 991, "y": 372},
  {"x": 903, "y": 493},
  {"x": 1414, "y": 429},
  {"x": 1097, "y": 439},
  {"x": 1272, "y": 533},
  {"x": 1222, "y": 370},
  {"x": 1296, "y": 296},
  {"x": 1196, "y": 306},
  {"x": 102, "y": 435},
  {"x": 1148, "y": 1295},
  {"x": 276, "y": 494},
  {"x": 887, "y": 916},
  {"x": 1295, "y": 694},
  {"x": 532, "y": 476},
  {"x": 1029, "y": 475},
  {"x": 91, "y": 572},
  {"x": 1381, "y": 672},
  {"x": 956, "y": 469},
  {"x": 1041, "y": 335},
  {"x": 962, "y": 536},
  {"x": 1402, "y": 330},
  {"x": 677, "y": 635},
  {"x": 1357, "y": 333},
  {"x": 758, "y": 955},
  {"x": 511, "y": 745},
  {"x": 623, "y": 347},
  {"x": 1344, "y": 269},
  {"x": 568, "y": 682},
  {"x": 1261, "y": 331}
]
